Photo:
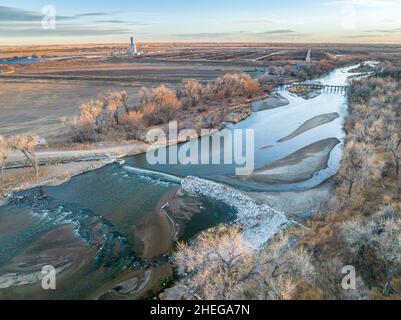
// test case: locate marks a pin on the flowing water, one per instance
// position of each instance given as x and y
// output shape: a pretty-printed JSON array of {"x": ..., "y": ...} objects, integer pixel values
[
  {"x": 269, "y": 127},
  {"x": 104, "y": 230}
]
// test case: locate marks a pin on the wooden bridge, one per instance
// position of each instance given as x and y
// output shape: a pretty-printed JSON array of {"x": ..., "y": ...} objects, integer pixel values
[{"x": 315, "y": 86}]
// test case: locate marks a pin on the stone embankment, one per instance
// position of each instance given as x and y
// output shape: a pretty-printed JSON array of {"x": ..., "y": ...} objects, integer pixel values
[{"x": 258, "y": 221}]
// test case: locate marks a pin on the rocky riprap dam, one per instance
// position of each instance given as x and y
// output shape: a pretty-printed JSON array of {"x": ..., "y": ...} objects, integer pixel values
[{"x": 259, "y": 222}]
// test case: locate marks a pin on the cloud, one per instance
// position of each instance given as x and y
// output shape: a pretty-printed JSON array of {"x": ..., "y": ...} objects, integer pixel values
[
  {"x": 112, "y": 21},
  {"x": 8, "y": 14},
  {"x": 29, "y": 24},
  {"x": 398, "y": 30},
  {"x": 282, "y": 31},
  {"x": 94, "y": 14},
  {"x": 357, "y": 36},
  {"x": 126, "y": 22},
  {"x": 245, "y": 35},
  {"x": 268, "y": 21},
  {"x": 35, "y": 30},
  {"x": 255, "y": 21},
  {"x": 210, "y": 34}
]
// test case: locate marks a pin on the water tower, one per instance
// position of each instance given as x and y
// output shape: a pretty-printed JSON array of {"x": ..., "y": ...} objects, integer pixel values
[{"x": 132, "y": 48}]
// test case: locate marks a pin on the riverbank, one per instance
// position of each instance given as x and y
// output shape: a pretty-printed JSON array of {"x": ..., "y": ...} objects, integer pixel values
[
  {"x": 22, "y": 179},
  {"x": 61, "y": 164},
  {"x": 299, "y": 166},
  {"x": 275, "y": 100},
  {"x": 257, "y": 221},
  {"x": 303, "y": 204}
]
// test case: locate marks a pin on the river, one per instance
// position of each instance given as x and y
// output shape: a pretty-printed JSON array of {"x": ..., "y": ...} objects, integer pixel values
[{"x": 104, "y": 231}]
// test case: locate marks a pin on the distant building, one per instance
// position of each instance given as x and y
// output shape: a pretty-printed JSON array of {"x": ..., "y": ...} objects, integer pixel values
[{"x": 133, "y": 49}]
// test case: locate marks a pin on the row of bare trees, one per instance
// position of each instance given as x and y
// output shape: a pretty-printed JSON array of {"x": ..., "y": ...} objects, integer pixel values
[
  {"x": 304, "y": 71},
  {"x": 373, "y": 149},
  {"x": 363, "y": 228},
  {"x": 229, "y": 86},
  {"x": 372, "y": 161},
  {"x": 23, "y": 143},
  {"x": 98, "y": 118}
]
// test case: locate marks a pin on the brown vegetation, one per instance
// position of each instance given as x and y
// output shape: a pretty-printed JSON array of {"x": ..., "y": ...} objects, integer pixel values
[
  {"x": 207, "y": 102},
  {"x": 23, "y": 143},
  {"x": 159, "y": 105},
  {"x": 27, "y": 145},
  {"x": 364, "y": 228},
  {"x": 4, "y": 152},
  {"x": 221, "y": 265},
  {"x": 306, "y": 71},
  {"x": 6, "y": 68}
]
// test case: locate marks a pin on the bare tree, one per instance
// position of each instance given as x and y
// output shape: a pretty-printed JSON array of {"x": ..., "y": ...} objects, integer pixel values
[
  {"x": 162, "y": 106},
  {"x": 249, "y": 86},
  {"x": 133, "y": 124},
  {"x": 192, "y": 93},
  {"x": 145, "y": 95},
  {"x": 120, "y": 98},
  {"x": 113, "y": 101},
  {"x": 392, "y": 143},
  {"x": 221, "y": 265},
  {"x": 383, "y": 236},
  {"x": 26, "y": 144},
  {"x": 351, "y": 164},
  {"x": 4, "y": 152},
  {"x": 386, "y": 132},
  {"x": 89, "y": 119}
]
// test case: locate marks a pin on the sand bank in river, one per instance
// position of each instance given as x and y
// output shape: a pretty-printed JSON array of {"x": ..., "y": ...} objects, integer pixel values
[
  {"x": 158, "y": 231},
  {"x": 299, "y": 166},
  {"x": 297, "y": 203},
  {"x": 310, "y": 124},
  {"x": 275, "y": 100}
]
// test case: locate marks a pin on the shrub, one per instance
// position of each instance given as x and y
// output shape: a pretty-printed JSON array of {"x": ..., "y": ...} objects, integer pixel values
[
  {"x": 133, "y": 124},
  {"x": 221, "y": 265},
  {"x": 192, "y": 93},
  {"x": 26, "y": 143},
  {"x": 161, "y": 107}
]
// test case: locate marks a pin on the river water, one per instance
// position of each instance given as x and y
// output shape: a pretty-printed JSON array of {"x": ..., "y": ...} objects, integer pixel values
[
  {"x": 104, "y": 232},
  {"x": 20, "y": 60},
  {"x": 270, "y": 126}
]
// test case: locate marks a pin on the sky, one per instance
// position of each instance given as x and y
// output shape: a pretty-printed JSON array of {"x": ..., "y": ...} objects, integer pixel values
[{"x": 114, "y": 21}]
